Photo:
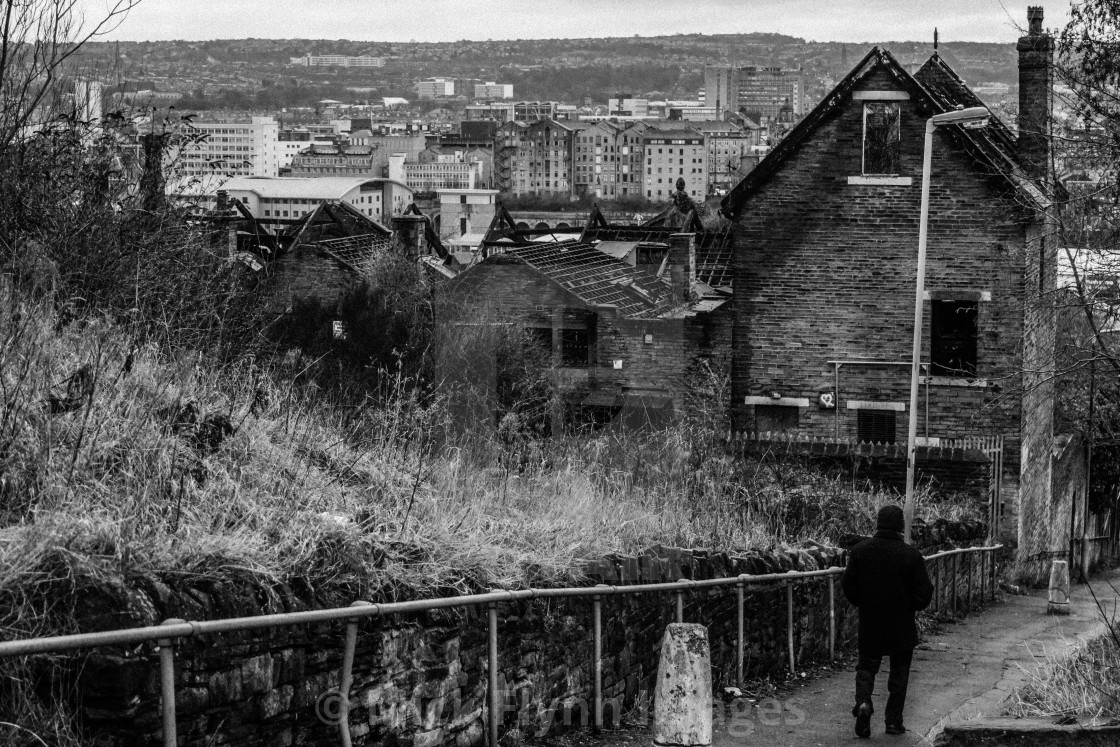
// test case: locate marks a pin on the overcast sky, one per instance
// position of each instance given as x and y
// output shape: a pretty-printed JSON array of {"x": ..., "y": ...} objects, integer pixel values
[{"x": 449, "y": 20}]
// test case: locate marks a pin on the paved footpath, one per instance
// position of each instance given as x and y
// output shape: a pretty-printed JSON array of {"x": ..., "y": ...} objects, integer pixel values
[{"x": 966, "y": 670}]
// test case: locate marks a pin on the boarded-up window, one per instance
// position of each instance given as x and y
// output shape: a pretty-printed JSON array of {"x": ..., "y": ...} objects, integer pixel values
[
  {"x": 876, "y": 426},
  {"x": 880, "y": 138},
  {"x": 952, "y": 345},
  {"x": 775, "y": 418}
]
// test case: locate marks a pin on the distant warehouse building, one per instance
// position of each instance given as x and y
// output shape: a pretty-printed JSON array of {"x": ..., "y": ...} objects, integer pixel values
[{"x": 281, "y": 201}]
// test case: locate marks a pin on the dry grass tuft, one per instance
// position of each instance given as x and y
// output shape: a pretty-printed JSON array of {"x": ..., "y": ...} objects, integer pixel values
[{"x": 1084, "y": 684}]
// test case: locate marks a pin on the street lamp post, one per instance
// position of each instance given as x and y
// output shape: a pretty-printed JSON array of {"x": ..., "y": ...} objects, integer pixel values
[{"x": 974, "y": 117}]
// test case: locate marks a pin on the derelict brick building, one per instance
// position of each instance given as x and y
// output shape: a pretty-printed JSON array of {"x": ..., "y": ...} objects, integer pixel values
[{"x": 826, "y": 236}]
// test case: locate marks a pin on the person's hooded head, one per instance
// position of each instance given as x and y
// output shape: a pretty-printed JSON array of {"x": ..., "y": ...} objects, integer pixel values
[{"x": 890, "y": 519}]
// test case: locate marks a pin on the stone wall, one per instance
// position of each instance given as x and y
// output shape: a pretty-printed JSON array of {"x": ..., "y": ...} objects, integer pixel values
[{"x": 420, "y": 679}]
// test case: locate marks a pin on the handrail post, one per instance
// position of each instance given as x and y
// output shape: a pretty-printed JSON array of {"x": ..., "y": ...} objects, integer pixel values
[
  {"x": 167, "y": 685},
  {"x": 992, "y": 584},
  {"x": 956, "y": 579},
  {"x": 346, "y": 676},
  {"x": 983, "y": 576},
  {"x": 937, "y": 586},
  {"x": 597, "y": 668},
  {"x": 789, "y": 624},
  {"x": 493, "y": 669},
  {"x": 680, "y": 606},
  {"x": 831, "y": 617},
  {"x": 968, "y": 589},
  {"x": 739, "y": 633}
]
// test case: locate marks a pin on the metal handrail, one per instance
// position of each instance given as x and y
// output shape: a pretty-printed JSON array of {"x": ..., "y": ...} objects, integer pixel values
[{"x": 166, "y": 634}]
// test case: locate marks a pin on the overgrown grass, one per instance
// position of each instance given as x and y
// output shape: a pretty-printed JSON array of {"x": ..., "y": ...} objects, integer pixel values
[
  {"x": 1083, "y": 684},
  {"x": 131, "y": 474},
  {"x": 122, "y": 459}
]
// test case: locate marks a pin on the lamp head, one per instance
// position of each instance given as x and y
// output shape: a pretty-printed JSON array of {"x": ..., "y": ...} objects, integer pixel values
[{"x": 974, "y": 116}]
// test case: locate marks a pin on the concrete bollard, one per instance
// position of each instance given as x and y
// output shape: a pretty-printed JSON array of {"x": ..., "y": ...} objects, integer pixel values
[
  {"x": 1059, "y": 588},
  {"x": 682, "y": 700}
]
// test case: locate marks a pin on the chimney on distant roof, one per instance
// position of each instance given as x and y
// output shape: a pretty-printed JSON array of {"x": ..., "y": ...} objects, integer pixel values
[
  {"x": 408, "y": 230},
  {"x": 1036, "y": 93},
  {"x": 682, "y": 265}
]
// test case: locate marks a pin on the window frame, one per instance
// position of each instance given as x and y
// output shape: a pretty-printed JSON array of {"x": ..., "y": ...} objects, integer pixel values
[
  {"x": 946, "y": 342},
  {"x": 867, "y": 106}
]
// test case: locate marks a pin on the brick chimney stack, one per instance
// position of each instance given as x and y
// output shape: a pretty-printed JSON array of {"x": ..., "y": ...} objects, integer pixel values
[
  {"x": 409, "y": 231},
  {"x": 682, "y": 265},
  {"x": 1036, "y": 92}
]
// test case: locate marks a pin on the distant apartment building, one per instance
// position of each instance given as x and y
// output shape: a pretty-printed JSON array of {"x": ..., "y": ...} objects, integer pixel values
[
  {"x": 446, "y": 172},
  {"x": 464, "y": 151},
  {"x": 607, "y": 160},
  {"x": 145, "y": 98},
  {"x": 760, "y": 89},
  {"x": 510, "y": 148},
  {"x": 731, "y": 151},
  {"x": 330, "y": 159},
  {"x": 291, "y": 143},
  {"x": 992, "y": 93},
  {"x": 492, "y": 90},
  {"x": 535, "y": 157},
  {"x": 337, "y": 60},
  {"x": 507, "y": 111},
  {"x": 387, "y": 143},
  {"x": 233, "y": 148},
  {"x": 687, "y": 113},
  {"x": 672, "y": 154},
  {"x": 435, "y": 88}
]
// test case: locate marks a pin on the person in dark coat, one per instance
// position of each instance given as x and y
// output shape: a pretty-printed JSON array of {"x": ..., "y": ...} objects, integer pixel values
[{"x": 887, "y": 580}]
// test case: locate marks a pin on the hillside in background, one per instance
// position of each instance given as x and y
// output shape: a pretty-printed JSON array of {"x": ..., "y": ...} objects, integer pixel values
[{"x": 568, "y": 70}]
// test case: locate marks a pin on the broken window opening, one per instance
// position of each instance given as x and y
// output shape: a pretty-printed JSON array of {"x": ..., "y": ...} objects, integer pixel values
[
  {"x": 651, "y": 255},
  {"x": 574, "y": 344},
  {"x": 953, "y": 333},
  {"x": 875, "y": 426},
  {"x": 881, "y": 138}
]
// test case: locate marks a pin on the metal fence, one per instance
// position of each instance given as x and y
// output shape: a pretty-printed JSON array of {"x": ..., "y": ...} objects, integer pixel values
[{"x": 166, "y": 634}]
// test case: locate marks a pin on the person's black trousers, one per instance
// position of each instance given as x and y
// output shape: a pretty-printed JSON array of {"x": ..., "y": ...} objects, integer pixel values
[{"x": 897, "y": 680}]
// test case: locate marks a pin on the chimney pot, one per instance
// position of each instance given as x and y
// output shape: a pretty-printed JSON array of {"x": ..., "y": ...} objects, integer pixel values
[{"x": 1034, "y": 20}]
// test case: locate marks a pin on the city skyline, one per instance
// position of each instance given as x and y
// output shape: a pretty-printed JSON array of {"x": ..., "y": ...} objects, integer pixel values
[{"x": 454, "y": 20}]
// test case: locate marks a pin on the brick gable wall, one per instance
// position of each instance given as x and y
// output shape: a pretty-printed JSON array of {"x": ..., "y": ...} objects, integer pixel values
[{"x": 825, "y": 270}]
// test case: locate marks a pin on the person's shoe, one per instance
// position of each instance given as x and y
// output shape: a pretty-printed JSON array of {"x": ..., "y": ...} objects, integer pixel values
[
  {"x": 863, "y": 720},
  {"x": 895, "y": 729}
]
